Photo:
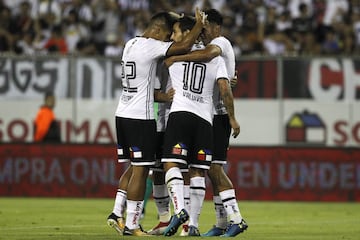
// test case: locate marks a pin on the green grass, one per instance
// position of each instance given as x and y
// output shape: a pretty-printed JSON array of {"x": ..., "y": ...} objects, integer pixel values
[{"x": 66, "y": 218}]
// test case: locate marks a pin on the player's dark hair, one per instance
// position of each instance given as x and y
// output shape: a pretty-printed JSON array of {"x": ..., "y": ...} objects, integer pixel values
[
  {"x": 164, "y": 19},
  {"x": 186, "y": 23},
  {"x": 48, "y": 94},
  {"x": 214, "y": 16}
]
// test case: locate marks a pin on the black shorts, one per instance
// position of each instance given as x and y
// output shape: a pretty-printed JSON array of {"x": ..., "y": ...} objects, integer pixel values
[
  {"x": 158, "y": 153},
  {"x": 188, "y": 140},
  {"x": 159, "y": 166},
  {"x": 136, "y": 141},
  {"x": 222, "y": 131}
]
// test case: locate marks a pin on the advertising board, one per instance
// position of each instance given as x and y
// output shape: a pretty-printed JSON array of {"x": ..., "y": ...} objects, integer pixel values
[{"x": 258, "y": 173}]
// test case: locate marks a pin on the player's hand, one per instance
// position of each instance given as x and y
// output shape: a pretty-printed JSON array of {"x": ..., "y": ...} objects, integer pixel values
[
  {"x": 234, "y": 80},
  {"x": 170, "y": 95},
  {"x": 200, "y": 16},
  {"x": 235, "y": 126}
]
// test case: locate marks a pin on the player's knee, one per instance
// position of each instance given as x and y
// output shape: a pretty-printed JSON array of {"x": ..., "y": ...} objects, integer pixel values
[{"x": 197, "y": 172}]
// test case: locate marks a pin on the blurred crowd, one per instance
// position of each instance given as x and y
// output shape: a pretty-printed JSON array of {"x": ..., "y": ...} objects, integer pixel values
[{"x": 255, "y": 27}]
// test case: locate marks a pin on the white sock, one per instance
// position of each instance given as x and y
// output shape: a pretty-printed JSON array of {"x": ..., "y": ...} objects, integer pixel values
[
  {"x": 197, "y": 195},
  {"x": 162, "y": 202},
  {"x": 133, "y": 213},
  {"x": 187, "y": 197},
  {"x": 120, "y": 203},
  {"x": 175, "y": 185},
  {"x": 232, "y": 209},
  {"x": 221, "y": 216}
]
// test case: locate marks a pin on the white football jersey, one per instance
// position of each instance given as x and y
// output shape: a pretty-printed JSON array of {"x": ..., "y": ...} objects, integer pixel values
[
  {"x": 227, "y": 53},
  {"x": 163, "y": 84},
  {"x": 139, "y": 60},
  {"x": 194, "y": 86}
]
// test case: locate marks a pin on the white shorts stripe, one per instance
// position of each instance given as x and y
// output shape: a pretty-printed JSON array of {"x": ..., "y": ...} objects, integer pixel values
[
  {"x": 175, "y": 160},
  {"x": 199, "y": 166}
]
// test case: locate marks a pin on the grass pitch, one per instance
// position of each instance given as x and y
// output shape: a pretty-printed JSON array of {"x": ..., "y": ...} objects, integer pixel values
[{"x": 66, "y": 218}]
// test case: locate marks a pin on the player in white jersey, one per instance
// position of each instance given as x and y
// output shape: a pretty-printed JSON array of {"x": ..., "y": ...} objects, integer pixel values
[
  {"x": 228, "y": 216},
  {"x": 188, "y": 136},
  {"x": 135, "y": 124},
  {"x": 163, "y": 95}
]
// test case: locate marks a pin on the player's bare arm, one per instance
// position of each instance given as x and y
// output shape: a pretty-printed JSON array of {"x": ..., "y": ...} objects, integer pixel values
[
  {"x": 234, "y": 80},
  {"x": 164, "y": 97},
  {"x": 228, "y": 99},
  {"x": 187, "y": 42},
  {"x": 204, "y": 55}
]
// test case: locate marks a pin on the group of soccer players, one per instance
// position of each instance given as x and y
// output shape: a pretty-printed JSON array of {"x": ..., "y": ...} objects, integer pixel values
[{"x": 191, "y": 65}]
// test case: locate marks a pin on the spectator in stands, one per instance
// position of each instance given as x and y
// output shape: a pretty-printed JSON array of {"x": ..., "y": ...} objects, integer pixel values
[
  {"x": 26, "y": 44},
  {"x": 270, "y": 21},
  {"x": 309, "y": 45},
  {"x": 279, "y": 5},
  {"x": 303, "y": 25},
  {"x": 250, "y": 27},
  {"x": 356, "y": 30},
  {"x": 331, "y": 44},
  {"x": 295, "y": 9},
  {"x": 114, "y": 46},
  {"x": 336, "y": 11},
  {"x": 6, "y": 29},
  {"x": 319, "y": 12},
  {"x": 278, "y": 43},
  {"x": 347, "y": 39},
  {"x": 13, "y": 5},
  {"x": 57, "y": 42},
  {"x": 46, "y": 127},
  {"x": 50, "y": 7},
  {"x": 251, "y": 21},
  {"x": 284, "y": 23},
  {"x": 75, "y": 31},
  {"x": 83, "y": 10},
  {"x": 43, "y": 28},
  {"x": 23, "y": 21},
  {"x": 87, "y": 47},
  {"x": 106, "y": 21}
]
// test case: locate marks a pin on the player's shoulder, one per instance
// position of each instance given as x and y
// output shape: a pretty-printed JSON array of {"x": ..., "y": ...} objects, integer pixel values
[
  {"x": 221, "y": 41},
  {"x": 143, "y": 41},
  {"x": 153, "y": 41}
]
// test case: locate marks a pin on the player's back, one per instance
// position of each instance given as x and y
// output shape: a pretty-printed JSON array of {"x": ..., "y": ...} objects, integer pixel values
[
  {"x": 139, "y": 60},
  {"x": 194, "y": 85}
]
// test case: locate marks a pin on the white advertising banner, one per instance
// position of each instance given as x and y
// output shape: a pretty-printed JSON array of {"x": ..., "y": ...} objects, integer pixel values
[
  {"x": 263, "y": 122},
  {"x": 88, "y": 78}
]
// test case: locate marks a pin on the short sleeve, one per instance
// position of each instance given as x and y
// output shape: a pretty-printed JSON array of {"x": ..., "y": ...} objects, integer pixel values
[{"x": 221, "y": 69}]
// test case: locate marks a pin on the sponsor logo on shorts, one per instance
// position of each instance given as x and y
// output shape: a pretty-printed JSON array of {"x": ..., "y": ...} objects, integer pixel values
[
  {"x": 135, "y": 152},
  {"x": 179, "y": 149},
  {"x": 204, "y": 155}
]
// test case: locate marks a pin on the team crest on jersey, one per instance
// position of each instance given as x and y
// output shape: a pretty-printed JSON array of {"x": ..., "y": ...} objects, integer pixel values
[
  {"x": 204, "y": 155},
  {"x": 135, "y": 152},
  {"x": 179, "y": 149}
]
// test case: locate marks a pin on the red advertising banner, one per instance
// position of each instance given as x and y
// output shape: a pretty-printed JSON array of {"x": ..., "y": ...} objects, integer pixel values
[
  {"x": 295, "y": 174},
  {"x": 258, "y": 173},
  {"x": 65, "y": 170}
]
